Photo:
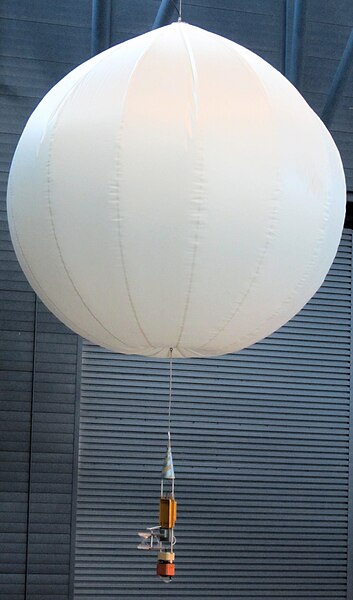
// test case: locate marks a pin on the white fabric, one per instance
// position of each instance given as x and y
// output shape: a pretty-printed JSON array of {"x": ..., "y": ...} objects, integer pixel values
[{"x": 175, "y": 192}]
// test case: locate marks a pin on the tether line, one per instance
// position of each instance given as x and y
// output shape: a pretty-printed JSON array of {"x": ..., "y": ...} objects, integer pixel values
[{"x": 170, "y": 389}]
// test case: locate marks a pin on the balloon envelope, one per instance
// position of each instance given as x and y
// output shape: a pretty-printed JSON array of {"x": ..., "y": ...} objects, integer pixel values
[{"x": 175, "y": 191}]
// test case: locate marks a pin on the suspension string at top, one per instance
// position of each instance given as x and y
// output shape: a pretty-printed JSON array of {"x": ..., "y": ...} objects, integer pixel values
[
  {"x": 177, "y": 9},
  {"x": 170, "y": 390}
]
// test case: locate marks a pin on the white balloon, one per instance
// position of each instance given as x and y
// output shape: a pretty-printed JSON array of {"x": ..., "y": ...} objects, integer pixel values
[{"x": 175, "y": 191}]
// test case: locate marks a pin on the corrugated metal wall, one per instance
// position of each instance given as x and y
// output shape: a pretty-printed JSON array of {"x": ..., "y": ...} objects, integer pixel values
[
  {"x": 17, "y": 316},
  {"x": 261, "y": 452},
  {"x": 38, "y": 410},
  {"x": 38, "y": 379},
  {"x": 53, "y": 456},
  {"x": 39, "y": 43}
]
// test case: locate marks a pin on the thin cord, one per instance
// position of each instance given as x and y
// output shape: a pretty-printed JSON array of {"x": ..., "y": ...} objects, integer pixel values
[
  {"x": 175, "y": 6},
  {"x": 170, "y": 389},
  {"x": 177, "y": 9}
]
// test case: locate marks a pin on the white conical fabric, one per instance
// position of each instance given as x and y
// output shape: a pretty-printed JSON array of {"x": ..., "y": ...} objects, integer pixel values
[
  {"x": 168, "y": 467},
  {"x": 175, "y": 192}
]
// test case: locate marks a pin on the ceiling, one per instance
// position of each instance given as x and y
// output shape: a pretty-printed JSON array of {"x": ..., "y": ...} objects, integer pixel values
[{"x": 41, "y": 40}]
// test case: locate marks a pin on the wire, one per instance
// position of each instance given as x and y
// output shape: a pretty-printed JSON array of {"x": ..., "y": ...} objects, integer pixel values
[{"x": 170, "y": 389}]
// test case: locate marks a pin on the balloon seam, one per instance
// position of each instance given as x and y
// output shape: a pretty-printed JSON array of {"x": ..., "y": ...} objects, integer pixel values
[
  {"x": 197, "y": 188},
  {"x": 118, "y": 167},
  {"x": 309, "y": 269},
  {"x": 50, "y": 208},
  {"x": 118, "y": 170},
  {"x": 270, "y": 226},
  {"x": 41, "y": 292}
]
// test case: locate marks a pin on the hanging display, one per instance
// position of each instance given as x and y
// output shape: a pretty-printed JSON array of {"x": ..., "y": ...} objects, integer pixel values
[
  {"x": 175, "y": 191},
  {"x": 161, "y": 537}
]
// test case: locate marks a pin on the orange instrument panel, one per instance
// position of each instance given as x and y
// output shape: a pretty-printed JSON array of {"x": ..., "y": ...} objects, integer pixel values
[{"x": 167, "y": 513}]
